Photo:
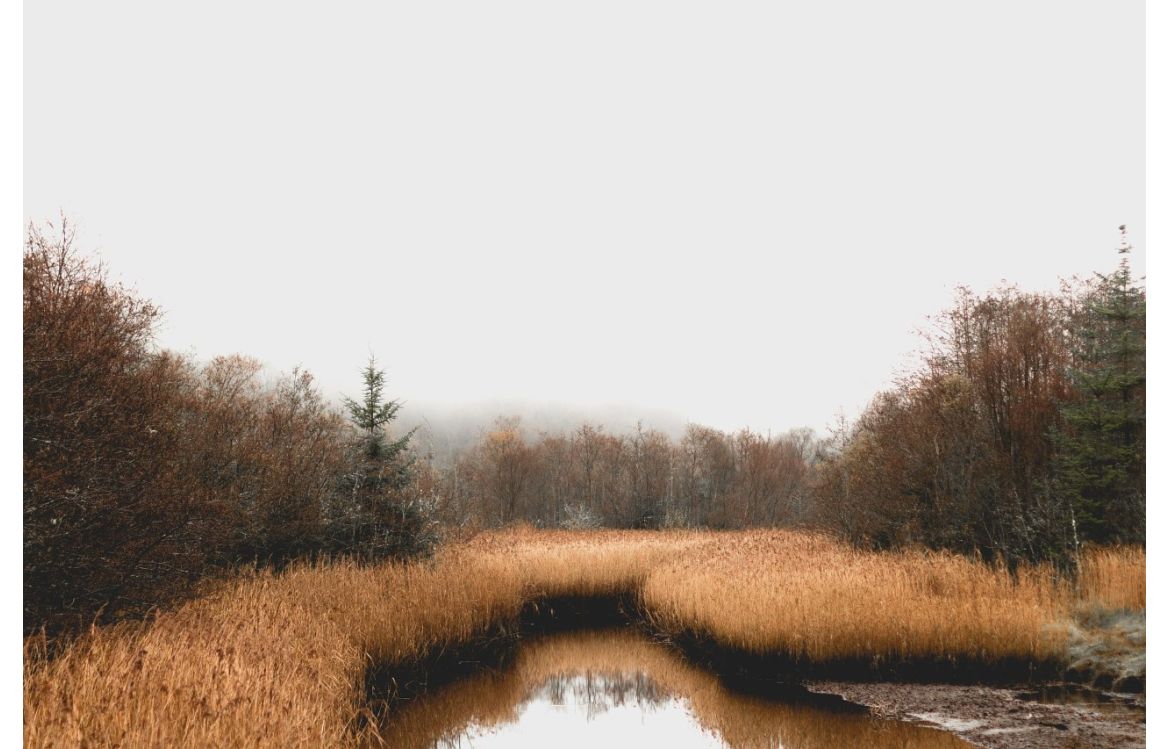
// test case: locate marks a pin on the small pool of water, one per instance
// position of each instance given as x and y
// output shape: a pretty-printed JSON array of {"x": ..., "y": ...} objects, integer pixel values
[
  {"x": 1079, "y": 695},
  {"x": 617, "y": 688}
]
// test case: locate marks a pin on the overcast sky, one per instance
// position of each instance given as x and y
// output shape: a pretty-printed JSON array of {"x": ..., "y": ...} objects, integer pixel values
[{"x": 737, "y": 212}]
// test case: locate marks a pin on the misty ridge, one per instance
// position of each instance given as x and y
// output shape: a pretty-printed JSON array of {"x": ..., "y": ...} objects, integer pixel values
[{"x": 442, "y": 430}]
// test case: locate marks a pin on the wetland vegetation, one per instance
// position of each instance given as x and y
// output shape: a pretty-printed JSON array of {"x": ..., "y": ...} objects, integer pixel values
[
  {"x": 284, "y": 659},
  {"x": 216, "y": 559}
]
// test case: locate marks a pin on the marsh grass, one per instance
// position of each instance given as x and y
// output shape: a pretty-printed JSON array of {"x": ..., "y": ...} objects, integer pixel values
[
  {"x": 1113, "y": 579},
  {"x": 280, "y": 660},
  {"x": 814, "y": 601}
]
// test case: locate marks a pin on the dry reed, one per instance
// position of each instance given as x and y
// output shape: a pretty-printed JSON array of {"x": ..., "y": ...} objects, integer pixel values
[
  {"x": 280, "y": 660},
  {"x": 814, "y": 600},
  {"x": 1113, "y": 578}
]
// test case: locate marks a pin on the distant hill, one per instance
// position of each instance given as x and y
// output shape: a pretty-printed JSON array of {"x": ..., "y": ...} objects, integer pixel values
[{"x": 446, "y": 428}]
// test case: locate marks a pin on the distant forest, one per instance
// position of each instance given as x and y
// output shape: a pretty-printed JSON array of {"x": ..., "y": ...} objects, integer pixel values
[{"x": 1018, "y": 436}]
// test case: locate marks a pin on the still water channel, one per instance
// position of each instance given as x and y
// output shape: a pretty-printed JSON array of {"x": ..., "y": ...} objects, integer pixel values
[{"x": 615, "y": 688}]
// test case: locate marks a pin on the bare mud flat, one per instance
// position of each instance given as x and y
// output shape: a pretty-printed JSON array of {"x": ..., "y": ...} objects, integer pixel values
[{"x": 1044, "y": 717}]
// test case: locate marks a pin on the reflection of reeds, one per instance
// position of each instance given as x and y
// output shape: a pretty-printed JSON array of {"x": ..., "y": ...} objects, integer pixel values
[
  {"x": 280, "y": 660},
  {"x": 622, "y": 666}
]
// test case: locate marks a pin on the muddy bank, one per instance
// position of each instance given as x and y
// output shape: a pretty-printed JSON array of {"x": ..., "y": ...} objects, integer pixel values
[
  {"x": 1096, "y": 700},
  {"x": 996, "y": 717},
  {"x": 388, "y": 683}
]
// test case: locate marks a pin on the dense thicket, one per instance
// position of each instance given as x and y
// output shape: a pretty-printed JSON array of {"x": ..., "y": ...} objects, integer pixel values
[
  {"x": 99, "y": 434},
  {"x": 144, "y": 471},
  {"x": 1021, "y": 435}
]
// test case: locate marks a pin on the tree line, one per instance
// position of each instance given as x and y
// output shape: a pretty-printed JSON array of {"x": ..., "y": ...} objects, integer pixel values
[
  {"x": 590, "y": 477},
  {"x": 1020, "y": 434}
]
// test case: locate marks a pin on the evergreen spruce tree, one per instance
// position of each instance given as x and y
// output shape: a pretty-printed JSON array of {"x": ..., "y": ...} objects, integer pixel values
[
  {"x": 1102, "y": 451},
  {"x": 381, "y": 520},
  {"x": 370, "y": 416}
]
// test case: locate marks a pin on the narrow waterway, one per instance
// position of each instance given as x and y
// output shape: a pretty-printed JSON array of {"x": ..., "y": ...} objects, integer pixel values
[{"x": 615, "y": 688}]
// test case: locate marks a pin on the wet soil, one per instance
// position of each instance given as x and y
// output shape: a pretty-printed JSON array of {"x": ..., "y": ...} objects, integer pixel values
[{"x": 1072, "y": 716}]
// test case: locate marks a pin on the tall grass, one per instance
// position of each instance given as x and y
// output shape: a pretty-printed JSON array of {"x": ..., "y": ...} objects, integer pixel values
[
  {"x": 280, "y": 660},
  {"x": 814, "y": 600},
  {"x": 1113, "y": 578}
]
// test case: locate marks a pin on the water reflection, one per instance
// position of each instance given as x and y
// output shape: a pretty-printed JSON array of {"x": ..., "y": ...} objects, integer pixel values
[
  {"x": 614, "y": 688},
  {"x": 597, "y": 693},
  {"x": 1082, "y": 696}
]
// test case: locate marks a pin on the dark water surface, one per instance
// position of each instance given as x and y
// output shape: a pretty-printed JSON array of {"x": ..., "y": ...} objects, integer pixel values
[
  {"x": 1087, "y": 697},
  {"x": 616, "y": 688}
]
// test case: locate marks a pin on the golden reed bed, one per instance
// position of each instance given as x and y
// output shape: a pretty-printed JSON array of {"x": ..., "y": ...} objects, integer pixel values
[{"x": 280, "y": 660}]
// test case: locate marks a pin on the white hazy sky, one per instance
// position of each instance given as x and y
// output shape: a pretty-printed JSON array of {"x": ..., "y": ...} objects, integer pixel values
[{"x": 734, "y": 211}]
